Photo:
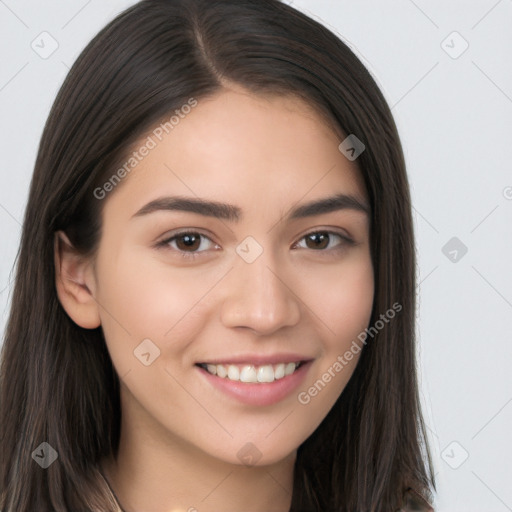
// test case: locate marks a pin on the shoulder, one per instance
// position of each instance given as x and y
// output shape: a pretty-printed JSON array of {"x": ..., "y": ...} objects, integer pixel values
[{"x": 415, "y": 502}]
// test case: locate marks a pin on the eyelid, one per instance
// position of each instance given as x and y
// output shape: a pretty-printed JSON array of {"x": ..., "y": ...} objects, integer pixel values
[{"x": 331, "y": 230}]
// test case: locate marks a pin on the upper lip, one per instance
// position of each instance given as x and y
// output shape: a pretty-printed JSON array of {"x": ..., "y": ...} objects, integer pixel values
[{"x": 258, "y": 359}]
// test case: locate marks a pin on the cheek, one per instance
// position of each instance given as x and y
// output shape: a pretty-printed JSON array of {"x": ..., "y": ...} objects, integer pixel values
[
  {"x": 342, "y": 300},
  {"x": 143, "y": 298},
  {"x": 343, "y": 303}
]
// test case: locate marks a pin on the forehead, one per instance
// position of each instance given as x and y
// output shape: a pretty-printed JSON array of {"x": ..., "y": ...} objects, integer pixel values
[{"x": 244, "y": 148}]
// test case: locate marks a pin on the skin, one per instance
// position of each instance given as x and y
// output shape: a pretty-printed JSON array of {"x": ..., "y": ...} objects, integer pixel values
[{"x": 180, "y": 436}]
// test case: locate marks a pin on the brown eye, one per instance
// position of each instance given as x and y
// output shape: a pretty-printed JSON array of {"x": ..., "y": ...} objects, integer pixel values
[
  {"x": 188, "y": 241},
  {"x": 318, "y": 240},
  {"x": 188, "y": 244},
  {"x": 324, "y": 241}
]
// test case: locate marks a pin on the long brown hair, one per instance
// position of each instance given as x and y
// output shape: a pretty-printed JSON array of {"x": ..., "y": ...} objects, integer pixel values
[{"x": 57, "y": 382}]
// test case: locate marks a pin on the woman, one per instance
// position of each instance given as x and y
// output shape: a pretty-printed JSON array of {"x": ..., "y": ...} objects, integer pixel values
[{"x": 215, "y": 291}]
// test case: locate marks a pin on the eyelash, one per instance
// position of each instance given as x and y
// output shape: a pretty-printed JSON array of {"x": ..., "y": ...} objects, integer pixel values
[{"x": 193, "y": 255}]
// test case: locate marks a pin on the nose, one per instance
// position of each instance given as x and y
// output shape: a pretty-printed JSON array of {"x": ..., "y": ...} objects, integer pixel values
[{"x": 259, "y": 297}]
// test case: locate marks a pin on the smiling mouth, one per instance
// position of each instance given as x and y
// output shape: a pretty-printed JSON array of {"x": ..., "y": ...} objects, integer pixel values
[{"x": 252, "y": 373}]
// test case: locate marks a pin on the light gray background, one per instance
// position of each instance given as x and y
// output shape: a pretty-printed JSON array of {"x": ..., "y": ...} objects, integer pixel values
[{"x": 454, "y": 115}]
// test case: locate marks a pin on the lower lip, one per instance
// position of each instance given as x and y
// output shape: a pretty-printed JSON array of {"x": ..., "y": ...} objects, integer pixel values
[{"x": 264, "y": 393}]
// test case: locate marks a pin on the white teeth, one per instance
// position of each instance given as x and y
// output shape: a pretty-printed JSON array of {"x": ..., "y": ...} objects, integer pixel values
[
  {"x": 279, "y": 371},
  {"x": 289, "y": 369},
  {"x": 233, "y": 372},
  {"x": 252, "y": 373},
  {"x": 221, "y": 371},
  {"x": 248, "y": 374},
  {"x": 266, "y": 373}
]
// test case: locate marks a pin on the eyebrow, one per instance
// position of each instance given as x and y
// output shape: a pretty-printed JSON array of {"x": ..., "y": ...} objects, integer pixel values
[{"x": 233, "y": 213}]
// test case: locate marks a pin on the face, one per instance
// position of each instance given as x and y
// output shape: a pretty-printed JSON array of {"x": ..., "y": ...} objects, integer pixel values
[{"x": 265, "y": 277}]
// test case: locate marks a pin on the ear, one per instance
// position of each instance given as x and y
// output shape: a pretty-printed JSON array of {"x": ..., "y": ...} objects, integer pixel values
[{"x": 75, "y": 283}]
